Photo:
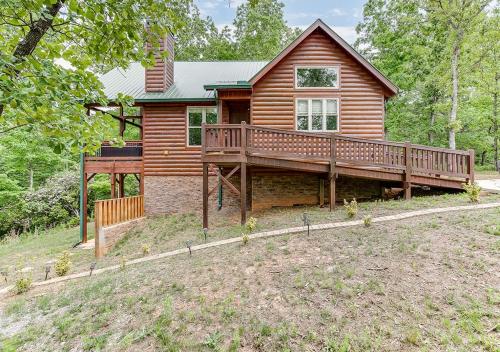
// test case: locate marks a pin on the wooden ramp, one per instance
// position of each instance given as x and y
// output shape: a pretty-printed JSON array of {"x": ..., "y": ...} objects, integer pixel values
[{"x": 239, "y": 146}]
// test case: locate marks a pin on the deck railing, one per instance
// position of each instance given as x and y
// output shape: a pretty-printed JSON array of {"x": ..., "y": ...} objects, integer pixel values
[
  {"x": 131, "y": 149},
  {"x": 328, "y": 147}
]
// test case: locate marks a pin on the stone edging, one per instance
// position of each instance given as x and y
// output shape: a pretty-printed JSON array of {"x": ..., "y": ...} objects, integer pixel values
[{"x": 265, "y": 234}]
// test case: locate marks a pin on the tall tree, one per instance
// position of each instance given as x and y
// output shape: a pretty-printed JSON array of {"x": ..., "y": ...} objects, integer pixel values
[
  {"x": 30, "y": 158},
  {"x": 459, "y": 18},
  {"x": 395, "y": 37},
  {"x": 481, "y": 73},
  {"x": 261, "y": 31},
  {"x": 202, "y": 40},
  {"x": 91, "y": 36}
]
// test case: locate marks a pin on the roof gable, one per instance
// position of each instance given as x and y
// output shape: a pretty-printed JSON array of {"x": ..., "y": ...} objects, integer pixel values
[{"x": 337, "y": 39}]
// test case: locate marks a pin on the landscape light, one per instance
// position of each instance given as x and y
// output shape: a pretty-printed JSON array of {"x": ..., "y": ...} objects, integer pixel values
[
  {"x": 205, "y": 232},
  {"x": 47, "y": 271},
  {"x": 92, "y": 267},
  {"x": 304, "y": 218},
  {"x": 4, "y": 274},
  {"x": 188, "y": 244}
]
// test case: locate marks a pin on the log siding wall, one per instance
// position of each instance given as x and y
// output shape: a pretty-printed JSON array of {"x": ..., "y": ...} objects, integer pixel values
[
  {"x": 361, "y": 96},
  {"x": 165, "y": 149},
  {"x": 361, "y": 99}
]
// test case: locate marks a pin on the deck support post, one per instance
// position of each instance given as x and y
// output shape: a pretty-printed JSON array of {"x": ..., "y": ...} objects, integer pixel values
[
  {"x": 470, "y": 166},
  {"x": 121, "y": 181},
  {"x": 84, "y": 208},
  {"x": 243, "y": 193},
  {"x": 332, "y": 174},
  {"x": 113, "y": 185},
  {"x": 141, "y": 184},
  {"x": 321, "y": 192},
  {"x": 205, "y": 195},
  {"x": 407, "y": 175},
  {"x": 243, "y": 174}
]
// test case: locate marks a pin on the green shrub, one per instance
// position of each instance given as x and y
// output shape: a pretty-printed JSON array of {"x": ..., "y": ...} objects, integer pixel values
[
  {"x": 23, "y": 284},
  {"x": 245, "y": 238},
  {"x": 351, "y": 208},
  {"x": 251, "y": 224},
  {"x": 367, "y": 220},
  {"x": 63, "y": 264},
  {"x": 145, "y": 249},
  {"x": 473, "y": 190}
]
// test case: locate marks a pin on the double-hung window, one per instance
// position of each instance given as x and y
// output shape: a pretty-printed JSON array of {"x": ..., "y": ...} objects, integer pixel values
[
  {"x": 197, "y": 116},
  {"x": 317, "y": 114}
]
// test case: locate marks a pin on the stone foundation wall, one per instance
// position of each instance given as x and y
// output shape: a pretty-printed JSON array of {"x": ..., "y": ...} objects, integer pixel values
[
  {"x": 270, "y": 190},
  {"x": 182, "y": 194},
  {"x": 107, "y": 237}
]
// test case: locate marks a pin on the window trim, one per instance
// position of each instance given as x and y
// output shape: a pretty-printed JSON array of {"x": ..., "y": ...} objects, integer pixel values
[
  {"x": 297, "y": 67},
  {"x": 309, "y": 113},
  {"x": 203, "y": 120}
]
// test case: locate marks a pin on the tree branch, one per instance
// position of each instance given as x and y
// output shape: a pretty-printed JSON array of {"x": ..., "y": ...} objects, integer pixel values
[
  {"x": 13, "y": 128},
  {"x": 35, "y": 34}
]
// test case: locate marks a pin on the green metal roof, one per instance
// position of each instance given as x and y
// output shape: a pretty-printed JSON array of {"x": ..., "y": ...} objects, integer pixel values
[{"x": 191, "y": 80}]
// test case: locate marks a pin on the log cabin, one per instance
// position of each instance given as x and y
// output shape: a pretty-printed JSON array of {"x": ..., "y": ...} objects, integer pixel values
[{"x": 304, "y": 128}]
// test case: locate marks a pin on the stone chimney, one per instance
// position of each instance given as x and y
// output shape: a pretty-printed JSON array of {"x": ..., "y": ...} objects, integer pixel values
[{"x": 161, "y": 76}]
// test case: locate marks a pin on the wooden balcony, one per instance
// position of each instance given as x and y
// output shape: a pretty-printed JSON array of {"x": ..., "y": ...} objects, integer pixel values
[{"x": 119, "y": 160}]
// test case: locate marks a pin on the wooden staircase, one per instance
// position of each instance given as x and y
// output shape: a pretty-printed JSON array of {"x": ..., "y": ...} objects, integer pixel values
[{"x": 242, "y": 145}]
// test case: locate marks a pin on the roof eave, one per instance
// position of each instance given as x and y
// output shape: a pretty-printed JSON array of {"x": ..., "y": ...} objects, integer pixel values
[{"x": 174, "y": 100}]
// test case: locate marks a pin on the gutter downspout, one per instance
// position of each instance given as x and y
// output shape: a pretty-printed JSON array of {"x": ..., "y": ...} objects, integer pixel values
[{"x": 82, "y": 175}]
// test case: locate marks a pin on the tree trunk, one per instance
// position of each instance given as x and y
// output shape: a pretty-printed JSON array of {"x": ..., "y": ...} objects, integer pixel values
[
  {"x": 31, "y": 178},
  {"x": 28, "y": 44},
  {"x": 433, "y": 121},
  {"x": 495, "y": 122},
  {"x": 454, "y": 95},
  {"x": 483, "y": 157}
]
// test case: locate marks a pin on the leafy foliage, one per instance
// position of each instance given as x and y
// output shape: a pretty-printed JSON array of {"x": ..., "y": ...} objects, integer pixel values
[
  {"x": 413, "y": 43},
  {"x": 473, "y": 191},
  {"x": 260, "y": 33},
  {"x": 23, "y": 284},
  {"x": 351, "y": 208},
  {"x": 52, "y": 52},
  {"x": 63, "y": 264}
]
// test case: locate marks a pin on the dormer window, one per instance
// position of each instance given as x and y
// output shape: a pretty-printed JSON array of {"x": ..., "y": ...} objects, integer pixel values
[{"x": 316, "y": 77}]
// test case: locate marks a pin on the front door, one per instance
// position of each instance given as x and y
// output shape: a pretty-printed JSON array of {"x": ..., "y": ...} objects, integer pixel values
[{"x": 239, "y": 111}]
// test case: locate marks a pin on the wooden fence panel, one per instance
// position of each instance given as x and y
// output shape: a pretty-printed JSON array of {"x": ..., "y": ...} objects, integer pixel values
[{"x": 115, "y": 211}]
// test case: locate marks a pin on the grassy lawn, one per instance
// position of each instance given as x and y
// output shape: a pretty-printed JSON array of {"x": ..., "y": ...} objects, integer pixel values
[
  {"x": 426, "y": 284},
  {"x": 422, "y": 284},
  {"x": 164, "y": 233}
]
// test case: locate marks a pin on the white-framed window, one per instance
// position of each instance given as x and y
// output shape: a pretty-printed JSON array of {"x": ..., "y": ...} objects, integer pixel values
[
  {"x": 314, "y": 77},
  {"x": 196, "y": 115},
  {"x": 317, "y": 114}
]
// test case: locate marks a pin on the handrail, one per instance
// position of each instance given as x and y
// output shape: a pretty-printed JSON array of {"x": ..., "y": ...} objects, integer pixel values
[
  {"x": 131, "y": 149},
  {"x": 390, "y": 156}
]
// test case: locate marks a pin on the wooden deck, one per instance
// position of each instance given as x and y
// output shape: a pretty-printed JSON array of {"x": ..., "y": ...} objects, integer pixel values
[
  {"x": 114, "y": 160},
  {"x": 328, "y": 153}
]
